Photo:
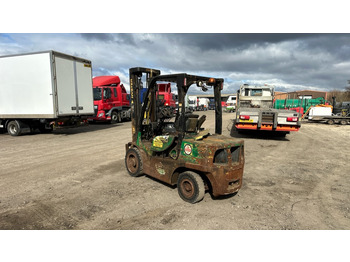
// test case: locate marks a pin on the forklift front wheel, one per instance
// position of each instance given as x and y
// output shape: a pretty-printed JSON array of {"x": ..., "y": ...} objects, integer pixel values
[
  {"x": 190, "y": 186},
  {"x": 133, "y": 162}
]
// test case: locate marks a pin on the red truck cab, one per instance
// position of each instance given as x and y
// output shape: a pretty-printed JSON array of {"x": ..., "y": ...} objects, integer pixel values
[
  {"x": 164, "y": 93},
  {"x": 110, "y": 99}
]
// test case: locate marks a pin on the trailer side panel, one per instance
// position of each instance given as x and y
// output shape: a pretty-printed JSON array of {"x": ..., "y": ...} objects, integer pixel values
[{"x": 26, "y": 88}]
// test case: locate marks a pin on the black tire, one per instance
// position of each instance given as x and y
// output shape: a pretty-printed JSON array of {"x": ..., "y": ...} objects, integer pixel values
[
  {"x": 119, "y": 117},
  {"x": 133, "y": 162},
  {"x": 14, "y": 128},
  {"x": 330, "y": 122},
  {"x": 114, "y": 117},
  {"x": 343, "y": 122},
  {"x": 190, "y": 187}
]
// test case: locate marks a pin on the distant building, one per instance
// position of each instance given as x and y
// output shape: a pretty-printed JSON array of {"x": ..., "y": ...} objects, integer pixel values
[
  {"x": 308, "y": 94},
  {"x": 281, "y": 95}
]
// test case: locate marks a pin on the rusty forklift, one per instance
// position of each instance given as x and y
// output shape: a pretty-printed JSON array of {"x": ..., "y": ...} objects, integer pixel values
[{"x": 173, "y": 147}]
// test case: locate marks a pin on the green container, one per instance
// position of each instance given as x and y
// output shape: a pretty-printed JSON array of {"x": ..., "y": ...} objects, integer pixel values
[{"x": 292, "y": 103}]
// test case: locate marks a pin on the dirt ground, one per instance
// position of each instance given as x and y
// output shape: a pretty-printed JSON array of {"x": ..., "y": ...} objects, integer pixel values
[{"x": 76, "y": 179}]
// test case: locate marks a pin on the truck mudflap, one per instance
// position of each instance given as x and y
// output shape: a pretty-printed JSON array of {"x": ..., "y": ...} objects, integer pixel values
[{"x": 267, "y": 127}]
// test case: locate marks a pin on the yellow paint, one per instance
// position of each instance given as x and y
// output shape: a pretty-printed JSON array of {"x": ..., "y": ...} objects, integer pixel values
[{"x": 246, "y": 121}]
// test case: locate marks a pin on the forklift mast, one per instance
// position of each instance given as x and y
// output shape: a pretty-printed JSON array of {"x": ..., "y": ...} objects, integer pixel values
[
  {"x": 183, "y": 82},
  {"x": 135, "y": 75}
]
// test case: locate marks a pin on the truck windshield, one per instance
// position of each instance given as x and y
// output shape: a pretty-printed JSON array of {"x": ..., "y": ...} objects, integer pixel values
[
  {"x": 97, "y": 94},
  {"x": 191, "y": 102},
  {"x": 256, "y": 92}
]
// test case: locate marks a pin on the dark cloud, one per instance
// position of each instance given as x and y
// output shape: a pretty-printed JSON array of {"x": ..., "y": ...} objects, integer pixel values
[
  {"x": 126, "y": 39},
  {"x": 220, "y": 41},
  {"x": 98, "y": 36},
  {"x": 289, "y": 61}
]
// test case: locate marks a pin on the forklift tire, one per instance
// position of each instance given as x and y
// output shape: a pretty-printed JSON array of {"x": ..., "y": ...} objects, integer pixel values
[
  {"x": 14, "y": 128},
  {"x": 190, "y": 187},
  {"x": 133, "y": 162}
]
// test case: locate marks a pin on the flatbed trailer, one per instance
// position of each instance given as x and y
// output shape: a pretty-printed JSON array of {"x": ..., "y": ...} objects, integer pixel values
[
  {"x": 342, "y": 120},
  {"x": 255, "y": 112}
]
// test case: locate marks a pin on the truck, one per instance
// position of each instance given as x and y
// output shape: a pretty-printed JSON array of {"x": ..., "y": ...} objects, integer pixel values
[
  {"x": 111, "y": 102},
  {"x": 231, "y": 103},
  {"x": 203, "y": 103},
  {"x": 211, "y": 103},
  {"x": 192, "y": 102},
  {"x": 177, "y": 150},
  {"x": 164, "y": 94},
  {"x": 44, "y": 90},
  {"x": 255, "y": 111}
]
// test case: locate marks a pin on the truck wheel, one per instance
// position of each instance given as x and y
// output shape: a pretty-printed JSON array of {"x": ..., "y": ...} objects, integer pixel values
[
  {"x": 14, "y": 128},
  {"x": 343, "y": 122},
  {"x": 114, "y": 117},
  {"x": 330, "y": 122},
  {"x": 133, "y": 162},
  {"x": 190, "y": 187}
]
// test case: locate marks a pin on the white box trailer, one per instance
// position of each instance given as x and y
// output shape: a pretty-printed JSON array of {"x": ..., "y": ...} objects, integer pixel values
[
  {"x": 40, "y": 89},
  {"x": 193, "y": 102}
]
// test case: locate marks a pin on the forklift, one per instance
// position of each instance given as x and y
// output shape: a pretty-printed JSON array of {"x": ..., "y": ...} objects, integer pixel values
[{"x": 171, "y": 146}]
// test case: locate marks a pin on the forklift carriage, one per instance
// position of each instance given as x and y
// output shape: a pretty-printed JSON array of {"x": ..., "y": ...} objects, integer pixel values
[{"x": 173, "y": 148}]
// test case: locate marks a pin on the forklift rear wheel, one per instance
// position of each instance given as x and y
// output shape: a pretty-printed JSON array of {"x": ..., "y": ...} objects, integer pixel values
[
  {"x": 190, "y": 186},
  {"x": 14, "y": 128},
  {"x": 133, "y": 162}
]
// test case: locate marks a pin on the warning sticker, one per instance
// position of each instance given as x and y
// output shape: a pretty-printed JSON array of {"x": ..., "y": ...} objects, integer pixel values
[
  {"x": 159, "y": 141},
  {"x": 188, "y": 149}
]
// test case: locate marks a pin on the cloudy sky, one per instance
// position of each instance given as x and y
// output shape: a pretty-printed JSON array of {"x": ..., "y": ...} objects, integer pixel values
[{"x": 288, "y": 61}]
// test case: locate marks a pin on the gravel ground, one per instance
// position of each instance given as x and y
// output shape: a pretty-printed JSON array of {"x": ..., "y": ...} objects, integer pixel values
[{"x": 76, "y": 179}]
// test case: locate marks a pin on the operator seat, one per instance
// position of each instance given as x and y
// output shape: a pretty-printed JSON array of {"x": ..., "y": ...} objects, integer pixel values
[
  {"x": 191, "y": 123},
  {"x": 201, "y": 121}
]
